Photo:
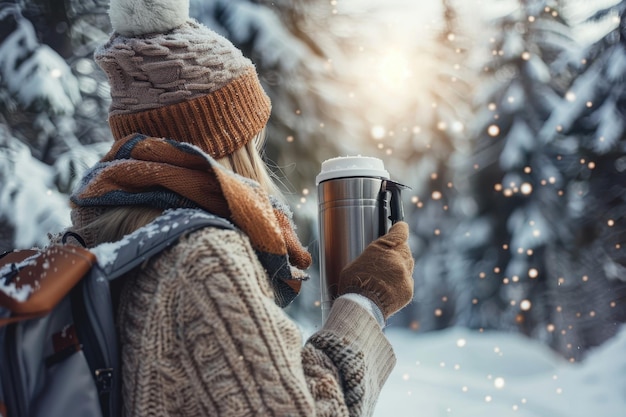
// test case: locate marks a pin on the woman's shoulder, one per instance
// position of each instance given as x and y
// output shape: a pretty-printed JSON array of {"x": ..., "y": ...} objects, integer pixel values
[
  {"x": 212, "y": 252},
  {"x": 214, "y": 240}
]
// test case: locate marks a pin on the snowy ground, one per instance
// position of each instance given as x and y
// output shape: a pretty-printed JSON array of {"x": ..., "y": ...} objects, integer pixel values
[{"x": 460, "y": 373}]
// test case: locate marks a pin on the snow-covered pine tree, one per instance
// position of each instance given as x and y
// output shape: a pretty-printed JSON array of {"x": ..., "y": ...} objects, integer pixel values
[
  {"x": 46, "y": 117},
  {"x": 437, "y": 139},
  {"x": 587, "y": 132},
  {"x": 513, "y": 179}
]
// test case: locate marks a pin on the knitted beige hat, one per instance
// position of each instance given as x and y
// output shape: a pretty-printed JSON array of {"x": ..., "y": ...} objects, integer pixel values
[{"x": 172, "y": 77}]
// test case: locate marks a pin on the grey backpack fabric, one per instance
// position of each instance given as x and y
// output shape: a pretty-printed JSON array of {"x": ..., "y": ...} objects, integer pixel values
[{"x": 67, "y": 363}]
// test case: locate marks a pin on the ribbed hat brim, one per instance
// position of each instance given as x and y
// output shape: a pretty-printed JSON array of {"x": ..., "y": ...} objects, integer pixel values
[{"x": 219, "y": 122}]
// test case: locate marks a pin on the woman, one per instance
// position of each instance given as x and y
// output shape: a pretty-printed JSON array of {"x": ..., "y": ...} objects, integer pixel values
[{"x": 201, "y": 327}]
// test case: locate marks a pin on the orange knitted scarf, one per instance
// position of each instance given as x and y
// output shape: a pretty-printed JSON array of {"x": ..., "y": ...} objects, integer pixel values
[{"x": 163, "y": 173}]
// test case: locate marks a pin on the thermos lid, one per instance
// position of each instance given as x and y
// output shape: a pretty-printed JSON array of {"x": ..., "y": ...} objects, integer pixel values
[{"x": 352, "y": 166}]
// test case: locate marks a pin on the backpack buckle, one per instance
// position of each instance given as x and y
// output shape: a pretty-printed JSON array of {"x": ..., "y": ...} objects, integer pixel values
[{"x": 104, "y": 380}]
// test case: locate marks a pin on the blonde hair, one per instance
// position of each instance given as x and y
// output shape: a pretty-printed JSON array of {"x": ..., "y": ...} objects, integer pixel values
[
  {"x": 248, "y": 162},
  {"x": 116, "y": 222}
]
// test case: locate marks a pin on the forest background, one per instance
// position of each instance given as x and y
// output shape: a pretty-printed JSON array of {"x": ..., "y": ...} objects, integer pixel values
[{"x": 506, "y": 118}]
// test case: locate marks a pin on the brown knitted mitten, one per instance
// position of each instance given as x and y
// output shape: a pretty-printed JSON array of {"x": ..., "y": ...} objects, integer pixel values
[{"x": 383, "y": 272}]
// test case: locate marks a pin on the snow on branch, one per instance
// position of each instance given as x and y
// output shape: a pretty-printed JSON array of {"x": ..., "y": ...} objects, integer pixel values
[
  {"x": 34, "y": 208},
  {"x": 37, "y": 76}
]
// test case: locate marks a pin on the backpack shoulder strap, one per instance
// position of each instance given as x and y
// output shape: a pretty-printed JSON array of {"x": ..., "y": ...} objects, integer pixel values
[
  {"x": 32, "y": 282},
  {"x": 116, "y": 259},
  {"x": 92, "y": 303}
]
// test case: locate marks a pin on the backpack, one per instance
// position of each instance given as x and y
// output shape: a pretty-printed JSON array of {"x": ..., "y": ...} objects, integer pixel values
[{"x": 59, "y": 352}]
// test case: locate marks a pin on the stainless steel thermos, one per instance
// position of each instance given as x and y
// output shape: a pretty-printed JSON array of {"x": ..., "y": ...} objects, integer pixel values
[{"x": 357, "y": 203}]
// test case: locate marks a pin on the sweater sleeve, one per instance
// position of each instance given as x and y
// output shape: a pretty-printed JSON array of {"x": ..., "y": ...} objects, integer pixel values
[
  {"x": 247, "y": 354},
  {"x": 353, "y": 340}
]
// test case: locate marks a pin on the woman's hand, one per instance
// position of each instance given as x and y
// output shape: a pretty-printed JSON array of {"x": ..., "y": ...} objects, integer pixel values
[{"x": 383, "y": 272}]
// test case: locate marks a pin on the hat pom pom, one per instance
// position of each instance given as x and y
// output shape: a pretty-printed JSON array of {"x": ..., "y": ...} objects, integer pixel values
[{"x": 141, "y": 17}]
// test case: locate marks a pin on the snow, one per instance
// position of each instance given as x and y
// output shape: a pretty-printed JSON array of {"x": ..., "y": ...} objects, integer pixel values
[
  {"x": 528, "y": 227},
  {"x": 520, "y": 143},
  {"x": 107, "y": 253},
  {"x": 22, "y": 199},
  {"x": 22, "y": 293},
  {"x": 34, "y": 71},
  {"x": 19, "y": 294},
  {"x": 463, "y": 373},
  {"x": 610, "y": 126}
]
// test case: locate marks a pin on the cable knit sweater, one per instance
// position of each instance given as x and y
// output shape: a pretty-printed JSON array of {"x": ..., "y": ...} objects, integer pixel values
[{"x": 201, "y": 335}]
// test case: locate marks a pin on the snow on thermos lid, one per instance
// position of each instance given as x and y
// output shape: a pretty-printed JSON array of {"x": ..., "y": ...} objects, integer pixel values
[{"x": 352, "y": 166}]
